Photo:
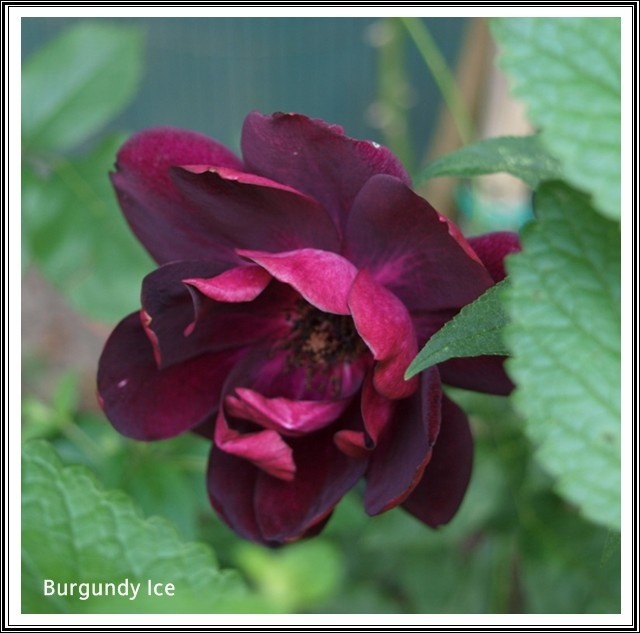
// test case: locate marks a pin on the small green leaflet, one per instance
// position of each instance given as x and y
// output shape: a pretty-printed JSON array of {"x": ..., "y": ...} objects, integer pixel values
[
  {"x": 77, "y": 83},
  {"x": 564, "y": 336},
  {"x": 74, "y": 531},
  {"x": 475, "y": 331},
  {"x": 567, "y": 72},
  {"x": 520, "y": 156}
]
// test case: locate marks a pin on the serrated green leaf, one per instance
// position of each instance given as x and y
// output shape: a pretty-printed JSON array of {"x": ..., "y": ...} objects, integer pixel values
[
  {"x": 78, "y": 82},
  {"x": 520, "y": 156},
  {"x": 78, "y": 236},
  {"x": 73, "y": 531},
  {"x": 475, "y": 331},
  {"x": 567, "y": 71},
  {"x": 565, "y": 339}
]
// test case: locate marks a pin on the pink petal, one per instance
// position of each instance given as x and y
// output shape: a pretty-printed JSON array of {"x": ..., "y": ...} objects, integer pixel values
[
  {"x": 492, "y": 248},
  {"x": 265, "y": 449},
  {"x": 404, "y": 446},
  {"x": 164, "y": 221},
  {"x": 322, "y": 278},
  {"x": 384, "y": 324},
  {"x": 437, "y": 497},
  {"x": 289, "y": 417},
  {"x": 236, "y": 285},
  {"x": 315, "y": 158},
  {"x": 147, "y": 403}
]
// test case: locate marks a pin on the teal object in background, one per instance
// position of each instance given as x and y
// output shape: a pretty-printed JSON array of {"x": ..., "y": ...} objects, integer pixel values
[{"x": 206, "y": 74}]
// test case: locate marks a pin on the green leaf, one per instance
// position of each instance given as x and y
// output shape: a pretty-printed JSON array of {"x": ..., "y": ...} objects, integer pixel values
[
  {"x": 78, "y": 236},
  {"x": 77, "y": 83},
  {"x": 475, "y": 331},
  {"x": 567, "y": 71},
  {"x": 564, "y": 305},
  {"x": 75, "y": 532},
  {"x": 520, "y": 156}
]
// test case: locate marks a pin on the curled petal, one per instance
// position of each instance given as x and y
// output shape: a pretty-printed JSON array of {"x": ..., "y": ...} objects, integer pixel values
[
  {"x": 265, "y": 449},
  {"x": 438, "y": 495},
  {"x": 385, "y": 326},
  {"x": 492, "y": 248},
  {"x": 322, "y": 278},
  {"x": 166, "y": 222},
  {"x": 147, "y": 403},
  {"x": 236, "y": 285},
  {"x": 404, "y": 447},
  {"x": 289, "y": 417},
  {"x": 315, "y": 158}
]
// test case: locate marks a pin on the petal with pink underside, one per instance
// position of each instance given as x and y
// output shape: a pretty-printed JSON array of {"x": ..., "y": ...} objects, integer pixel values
[
  {"x": 147, "y": 403},
  {"x": 265, "y": 449},
  {"x": 437, "y": 497},
  {"x": 165, "y": 221},
  {"x": 492, "y": 248},
  {"x": 322, "y": 278},
  {"x": 236, "y": 285},
  {"x": 385, "y": 326},
  {"x": 404, "y": 447},
  {"x": 315, "y": 158},
  {"x": 289, "y": 417},
  {"x": 253, "y": 212},
  {"x": 408, "y": 248}
]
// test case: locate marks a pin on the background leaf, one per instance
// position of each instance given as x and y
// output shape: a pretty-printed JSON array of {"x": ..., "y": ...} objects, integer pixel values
[
  {"x": 520, "y": 156},
  {"x": 77, "y": 83},
  {"x": 74, "y": 531},
  {"x": 565, "y": 340},
  {"x": 78, "y": 236},
  {"x": 567, "y": 71},
  {"x": 475, "y": 331}
]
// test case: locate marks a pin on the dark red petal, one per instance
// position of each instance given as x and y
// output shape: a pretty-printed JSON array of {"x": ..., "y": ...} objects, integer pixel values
[
  {"x": 183, "y": 323},
  {"x": 252, "y": 212},
  {"x": 315, "y": 158},
  {"x": 404, "y": 446},
  {"x": 437, "y": 497},
  {"x": 492, "y": 248},
  {"x": 385, "y": 326},
  {"x": 166, "y": 223},
  {"x": 410, "y": 250},
  {"x": 324, "y": 279},
  {"x": 479, "y": 373},
  {"x": 286, "y": 510},
  {"x": 146, "y": 403}
]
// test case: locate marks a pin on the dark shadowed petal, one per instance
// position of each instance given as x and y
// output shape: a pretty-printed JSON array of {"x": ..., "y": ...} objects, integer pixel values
[
  {"x": 404, "y": 446},
  {"x": 182, "y": 322},
  {"x": 492, "y": 248},
  {"x": 322, "y": 278},
  {"x": 255, "y": 212},
  {"x": 437, "y": 497},
  {"x": 385, "y": 326},
  {"x": 478, "y": 373},
  {"x": 315, "y": 158},
  {"x": 410, "y": 250},
  {"x": 163, "y": 220},
  {"x": 289, "y": 417},
  {"x": 146, "y": 403},
  {"x": 286, "y": 510}
]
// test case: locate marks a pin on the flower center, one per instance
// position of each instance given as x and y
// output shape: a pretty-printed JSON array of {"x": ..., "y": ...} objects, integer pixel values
[{"x": 319, "y": 340}]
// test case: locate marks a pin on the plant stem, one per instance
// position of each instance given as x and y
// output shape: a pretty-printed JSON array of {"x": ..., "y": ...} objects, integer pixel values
[{"x": 443, "y": 77}]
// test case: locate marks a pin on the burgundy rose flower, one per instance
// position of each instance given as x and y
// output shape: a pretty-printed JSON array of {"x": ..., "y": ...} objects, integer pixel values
[{"x": 295, "y": 286}]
